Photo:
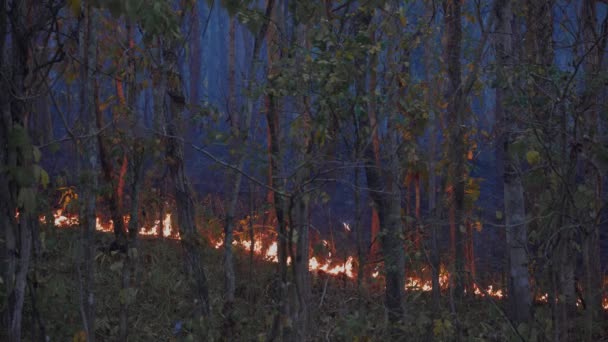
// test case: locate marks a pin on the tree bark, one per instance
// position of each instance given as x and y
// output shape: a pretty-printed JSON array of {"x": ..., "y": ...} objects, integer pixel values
[
  {"x": 456, "y": 177},
  {"x": 235, "y": 179},
  {"x": 88, "y": 170},
  {"x": 519, "y": 295},
  {"x": 173, "y": 101},
  {"x": 434, "y": 213},
  {"x": 195, "y": 55},
  {"x": 132, "y": 161},
  {"x": 590, "y": 105}
]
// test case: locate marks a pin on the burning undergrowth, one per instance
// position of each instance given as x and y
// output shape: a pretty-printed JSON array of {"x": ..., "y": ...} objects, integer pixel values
[
  {"x": 160, "y": 307},
  {"x": 261, "y": 242}
]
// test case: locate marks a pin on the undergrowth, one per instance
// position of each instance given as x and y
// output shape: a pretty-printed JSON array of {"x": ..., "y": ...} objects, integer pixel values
[{"x": 160, "y": 307}]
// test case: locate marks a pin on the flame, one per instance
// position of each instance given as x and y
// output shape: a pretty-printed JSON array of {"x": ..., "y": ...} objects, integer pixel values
[
  {"x": 62, "y": 220},
  {"x": 270, "y": 253}
]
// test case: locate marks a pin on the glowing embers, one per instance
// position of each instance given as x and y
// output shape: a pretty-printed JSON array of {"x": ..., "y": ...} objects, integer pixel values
[
  {"x": 62, "y": 220},
  {"x": 489, "y": 291}
]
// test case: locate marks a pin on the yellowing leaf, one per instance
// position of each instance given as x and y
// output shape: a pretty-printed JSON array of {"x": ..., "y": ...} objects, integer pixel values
[
  {"x": 533, "y": 157},
  {"x": 44, "y": 178},
  {"x": 80, "y": 336},
  {"x": 37, "y": 154},
  {"x": 74, "y": 6}
]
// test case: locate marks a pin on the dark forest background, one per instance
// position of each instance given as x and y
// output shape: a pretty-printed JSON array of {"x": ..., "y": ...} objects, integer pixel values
[{"x": 459, "y": 144}]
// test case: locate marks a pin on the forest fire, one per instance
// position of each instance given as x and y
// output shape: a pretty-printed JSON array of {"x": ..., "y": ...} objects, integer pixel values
[
  {"x": 62, "y": 220},
  {"x": 262, "y": 247}
]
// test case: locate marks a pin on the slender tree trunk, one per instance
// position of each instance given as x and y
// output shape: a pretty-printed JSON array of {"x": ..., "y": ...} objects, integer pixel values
[
  {"x": 594, "y": 46},
  {"x": 16, "y": 234},
  {"x": 279, "y": 329},
  {"x": 389, "y": 213},
  {"x": 89, "y": 166},
  {"x": 302, "y": 275},
  {"x": 520, "y": 300},
  {"x": 130, "y": 262},
  {"x": 108, "y": 176},
  {"x": 235, "y": 180},
  {"x": 375, "y": 247},
  {"x": 195, "y": 55},
  {"x": 454, "y": 97},
  {"x": 302, "y": 210},
  {"x": 173, "y": 102},
  {"x": 280, "y": 212},
  {"x": 135, "y": 155},
  {"x": 432, "y": 179}
]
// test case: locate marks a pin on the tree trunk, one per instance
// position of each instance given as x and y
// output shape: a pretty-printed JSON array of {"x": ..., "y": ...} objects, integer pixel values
[
  {"x": 279, "y": 329},
  {"x": 108, "y": 176},
  {"x": 374, "y": 252},
  {"x": 387, "y": 200},
  {"x": 195, "y": 55},
  {"x": 590, "y": 105},
  {"x": 135, "y": 154},
  {"x": 235, "y": 179},
  {"x": 456, "y": 177},
  {"x": 301, "y": 224},
  {"x": 88, "y": 171},
  {"x": 173, "y": 107},
  {"x": 130, "y": 262},
  {"x": 520, "y": 301},
  {"x": 432, "y": 179}
]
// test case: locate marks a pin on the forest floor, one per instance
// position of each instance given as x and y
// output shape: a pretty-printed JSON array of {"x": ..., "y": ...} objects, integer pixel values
[{"x": 160, "y": 309}]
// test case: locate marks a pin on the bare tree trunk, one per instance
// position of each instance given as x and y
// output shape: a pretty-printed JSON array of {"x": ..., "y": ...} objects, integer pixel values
[
  {"x": 88, "y": 172},
  {"x": 135, "y": 155},
  {"x": 594, "y": 45},
  {"x": 279, "y": 329},
  {"x": 520, "y": 300},
  {"x": 235, "y": 179},
  {"x": 108, "y": 176},
  {"x": 432, "y": 179},
  {"x": 362, "y": 247},
  {"x": 173, "y": 101},
  {"x": 16, "y": 233},
  {"x": 130, "y": 262},
  {"x": 389, "y": 213},
  {"x": 195, "y": 55},
  {"x": 454, "y": 97},
  {"x": 301, "y": 224}
]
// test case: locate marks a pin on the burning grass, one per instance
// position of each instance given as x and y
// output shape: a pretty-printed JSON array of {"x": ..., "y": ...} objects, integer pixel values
[{"x": 160, "y": 307}]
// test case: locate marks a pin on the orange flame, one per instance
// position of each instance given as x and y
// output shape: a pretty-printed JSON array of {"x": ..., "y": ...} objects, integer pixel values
[{"x": 270, "y": 253}]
